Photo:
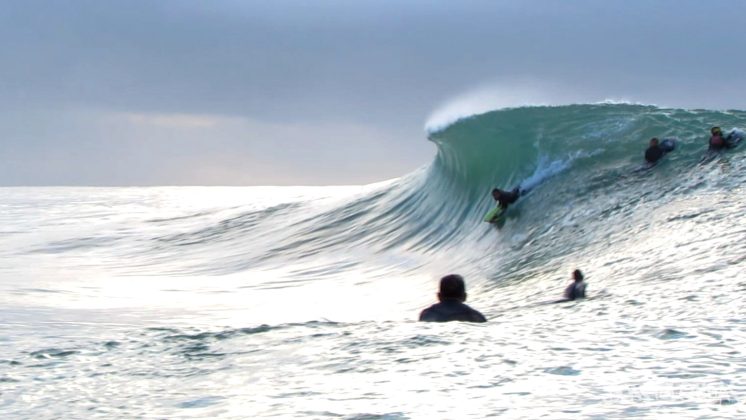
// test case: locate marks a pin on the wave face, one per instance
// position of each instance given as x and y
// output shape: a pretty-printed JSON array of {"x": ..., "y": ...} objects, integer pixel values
[
  {"x": 586, "y": 206},
  {"x": 578, "y": 161}
]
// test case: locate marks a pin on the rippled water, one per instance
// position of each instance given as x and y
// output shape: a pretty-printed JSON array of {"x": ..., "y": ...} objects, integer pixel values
[{"x": 83, "y": 338}]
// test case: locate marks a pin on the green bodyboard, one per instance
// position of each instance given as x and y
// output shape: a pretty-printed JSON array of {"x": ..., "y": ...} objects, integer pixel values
[{"x": 494, "y": 215}]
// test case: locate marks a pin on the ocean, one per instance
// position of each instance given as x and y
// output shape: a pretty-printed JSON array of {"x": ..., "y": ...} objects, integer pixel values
[{"x": 302, "y": 302}]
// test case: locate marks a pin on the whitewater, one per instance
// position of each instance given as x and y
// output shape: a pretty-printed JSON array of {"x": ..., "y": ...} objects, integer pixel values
[{"x": 302, "y": 302}]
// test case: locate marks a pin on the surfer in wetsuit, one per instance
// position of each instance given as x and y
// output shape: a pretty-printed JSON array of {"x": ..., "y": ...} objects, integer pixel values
[
  {"x": 576, "y": 289},
  {"x": 658, "y": 149},
  {"x": 505, "y": 198},
  {"x": 451, "y": 307},
  {"x": 717, "y": 141},
  {"x": 654, "y": 153}
]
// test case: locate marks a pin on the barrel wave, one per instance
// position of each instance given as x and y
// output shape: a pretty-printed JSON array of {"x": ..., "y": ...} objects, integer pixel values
[
  {"x": 588, "y": 199},
  {"x": 587, "y": 203}
]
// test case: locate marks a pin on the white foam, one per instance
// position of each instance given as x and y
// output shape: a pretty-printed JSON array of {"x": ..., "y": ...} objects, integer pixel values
[
  {"x": 497, "y": 96},
  {"x": 479, "y": 101},
  {"x": 546, "y": 168}
]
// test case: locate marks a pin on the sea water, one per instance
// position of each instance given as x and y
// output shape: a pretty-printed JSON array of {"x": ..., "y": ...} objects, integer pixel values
[{"x": 301, "y": 302}]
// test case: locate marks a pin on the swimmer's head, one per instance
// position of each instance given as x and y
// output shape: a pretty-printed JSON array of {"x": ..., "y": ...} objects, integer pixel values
[
  {"x": 654, "y": 141},
  {"x": 577, "y": 275},
  {"x": 452, "y": 287},
  {"x": 495, "y": 193}
]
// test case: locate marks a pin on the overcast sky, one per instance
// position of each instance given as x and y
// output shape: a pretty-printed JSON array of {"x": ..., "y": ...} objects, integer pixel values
[{"x": 322, "y": 92}]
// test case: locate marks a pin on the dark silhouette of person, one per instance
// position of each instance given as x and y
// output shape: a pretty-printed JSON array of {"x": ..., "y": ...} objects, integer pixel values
[
  {"x": 576, "y": 289},
  {"x": 505, "y": 198},
  {"x": 654, "y": 153},
  {"x": 658, "y": 149},
  {"x": 451, "y": 307}
]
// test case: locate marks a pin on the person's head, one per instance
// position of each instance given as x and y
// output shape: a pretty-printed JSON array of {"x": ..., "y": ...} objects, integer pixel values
[
  {"x": 577, "y": 275},
  {"x": 716, "y": 131},
  {"x": 654, "y": 141},
  {"x": 495, "y": 193},
  {"x": 452, "y": 287}
]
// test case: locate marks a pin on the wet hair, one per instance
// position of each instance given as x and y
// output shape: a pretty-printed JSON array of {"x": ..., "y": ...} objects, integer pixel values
[
  {"x": 452, "y": 286},
  {"x": 715, "y": 129},
  {"x": 577, "y": 275},
  {"x": 655, "y": 139},
  {"x": 495, "y": 190}
]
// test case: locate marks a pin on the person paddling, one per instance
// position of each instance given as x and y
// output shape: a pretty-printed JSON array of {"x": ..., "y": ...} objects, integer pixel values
[
  {"x": 576, "y": 289},
  {"x": 506, "y": 198},
  {"x": 657, "y": 149},
  {"x": 654, "y": 153},
  {"x": 717, "y": 141}
]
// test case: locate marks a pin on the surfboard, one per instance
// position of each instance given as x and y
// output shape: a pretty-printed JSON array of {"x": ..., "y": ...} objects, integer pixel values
[
  {"x": 644, "y": 167},
  {"x": 734, "y": 137},
  {"x": 668, "y": 145},
  {"x": 494, "y": 215}
]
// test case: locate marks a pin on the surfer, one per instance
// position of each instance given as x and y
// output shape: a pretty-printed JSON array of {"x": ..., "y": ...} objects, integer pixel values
[
  {"x": 451, "y": 306},
  {"x": 576, "y": 289},
  {"x": 654, "y": 153},
  {"x": 505, "y": 198},
  {"x": 657, "y": 149},
  {"x": 717, "y": 141}
]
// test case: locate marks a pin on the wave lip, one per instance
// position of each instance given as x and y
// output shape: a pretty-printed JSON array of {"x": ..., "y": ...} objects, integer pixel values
[{"x": 506, "y": 97}]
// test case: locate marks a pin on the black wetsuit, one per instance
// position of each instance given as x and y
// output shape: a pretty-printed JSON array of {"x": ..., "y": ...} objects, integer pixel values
[
  {"x": 654, "y": 154},
  {"x": 575, "y": 290},
  {"x": 451, "y": 310},
  {"x": 508, "y": 197}
]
